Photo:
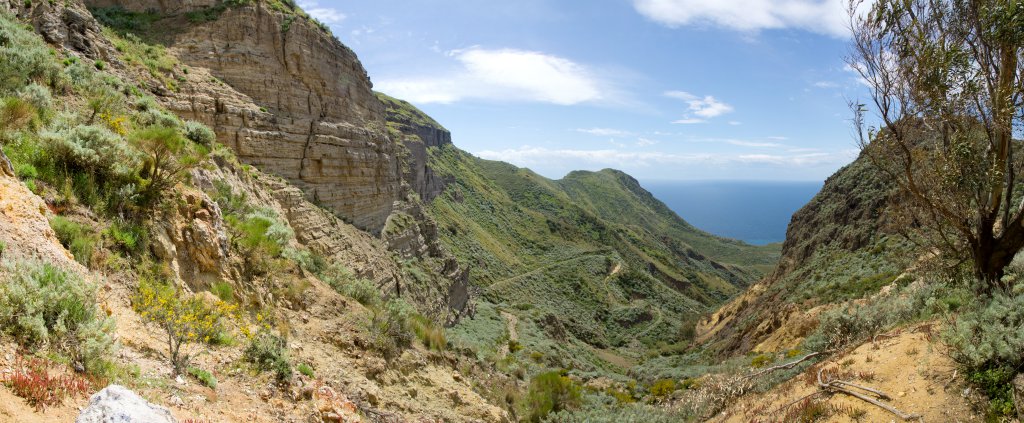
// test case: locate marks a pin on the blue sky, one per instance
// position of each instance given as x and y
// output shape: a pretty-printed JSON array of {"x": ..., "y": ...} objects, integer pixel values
[{"x": 662, "y": 89}]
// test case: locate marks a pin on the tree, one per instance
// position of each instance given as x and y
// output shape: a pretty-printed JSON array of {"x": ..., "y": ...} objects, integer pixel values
[
  {"x": 945, "y": 78},
  {"x": 168, "y": 156}
]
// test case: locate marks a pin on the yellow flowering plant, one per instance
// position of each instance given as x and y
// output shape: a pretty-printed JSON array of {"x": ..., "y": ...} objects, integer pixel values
[{"x": 187, "y": 320}]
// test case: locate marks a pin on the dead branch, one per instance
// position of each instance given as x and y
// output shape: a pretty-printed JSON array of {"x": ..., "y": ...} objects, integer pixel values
[
  {"x": 787, "y": 365},
  {"x": 879, "y": 394},
  {"x": 837, "y": 386},
  {"x": 874, "y": 339}
]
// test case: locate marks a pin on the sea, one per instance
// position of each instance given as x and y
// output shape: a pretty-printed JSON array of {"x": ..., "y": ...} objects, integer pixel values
[{"x": 756, "y": 212}]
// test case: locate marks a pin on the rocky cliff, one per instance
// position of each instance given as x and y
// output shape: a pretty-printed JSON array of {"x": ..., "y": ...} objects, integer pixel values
[{"x": 297, "y": 103}]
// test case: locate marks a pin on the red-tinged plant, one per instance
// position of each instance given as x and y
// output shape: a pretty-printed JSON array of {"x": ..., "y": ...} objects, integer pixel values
[{"x": 32, "y": 381}]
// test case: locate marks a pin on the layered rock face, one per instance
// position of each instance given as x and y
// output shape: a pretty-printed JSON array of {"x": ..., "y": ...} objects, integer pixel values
[
  {"x": 66, "y": 24},
  {"x": 316, "y": 122}
]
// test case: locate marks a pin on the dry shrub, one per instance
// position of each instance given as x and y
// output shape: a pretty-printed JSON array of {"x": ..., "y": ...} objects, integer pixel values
[{"x": 714, "y": 393}]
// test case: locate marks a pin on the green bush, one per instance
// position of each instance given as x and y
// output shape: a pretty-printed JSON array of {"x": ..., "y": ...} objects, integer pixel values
[
  {"x": 987, "y": 343},
  {"x": 199, "y": 133},
  {"x": 38, "y": 96},
  {"x": 128, "y": 237},
  {"x": 25, "y": 57},
  {"x": 268, "y": 352},
  {"x": 662, "y": 388},
  {"x": 93, "y": 150},
  {"x": 362, "y": 290},
  {"x": 430, "y": 333},
  {"x": 223, "y": 290},
  {"x": 41, "y": 305},
  {"x": 305, "y": 369},
  {"x": 203, "y": 376},
  {"x": 551, "y": 392},
  {"x": 389, "y": 328},
  {"x": 15, "y": 114},
  {"x": 77, "y": 238},
  {"x": 167, "y": 159}
]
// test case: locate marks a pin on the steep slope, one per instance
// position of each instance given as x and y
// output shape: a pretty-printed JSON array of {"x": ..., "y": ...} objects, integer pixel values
[
  {"x": 302, "y": 105},
  {"x": 840, "y": 246},
  {"x": 197, "y": 242}
]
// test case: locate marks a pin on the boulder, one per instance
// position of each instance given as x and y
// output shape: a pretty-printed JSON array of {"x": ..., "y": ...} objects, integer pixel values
[{"x": 117, "y": 404}]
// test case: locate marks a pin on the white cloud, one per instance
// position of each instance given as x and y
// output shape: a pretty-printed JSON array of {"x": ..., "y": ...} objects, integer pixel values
[
  {"x": 825, "y": 84},
  {"x": 644, "y": 142},
  {"x": 700, "y": 109},
  {"x": 754, "y": 144},
  {"x": 604, "y": 132},
  {"x": 822, "y": 16},
  {"x": 534, "y": 156},
  {"x": 502, "y": 75},
  {"x": 735, "y": 123},
  {"x": 324, "y": 14}
]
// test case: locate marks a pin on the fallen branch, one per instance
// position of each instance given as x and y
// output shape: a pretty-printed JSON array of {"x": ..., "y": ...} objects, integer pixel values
[
  {"x": 836, "y": 386},
  {"x": 787, "y": 365},
  {"x": 879, "y": 394},
  {"x": 874, "y": 339}
]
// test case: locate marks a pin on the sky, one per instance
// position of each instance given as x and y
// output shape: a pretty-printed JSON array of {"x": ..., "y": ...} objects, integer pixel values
[{"x": 661, "y": 89}]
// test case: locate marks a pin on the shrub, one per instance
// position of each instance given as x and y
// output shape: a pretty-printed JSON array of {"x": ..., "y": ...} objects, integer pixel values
[
  {"x": 986, "y": 342},
  {"x": 305, "y": 369},
  {"x": 389, "y": 328},
  {"x": 761, "y": 360},
  {"x": 199, "y": 133},
  {"x": 25, "y": 56},
  {"x": 94, "y": 150},
  {"x": 77, "y": 238},
  {"x": 167, "y": 160},
  {"x": 37, "y": 95},
  {"x": 223, "y": 290},
  {"x": 203, "y": 376},
  {"x": 430, "y": 333},
  {"x": 41, "y": 305},
  {"x": 186, "y": 320},
  {"x": 130, "y": 238},
  {"x": 15, "y": 113},
  {"x": 269, "y": 353},
  {"x": 551, "y": 392},
  {"x": 662, "y": 388},
  {"x": 260, "y": 237},
  {"x": 32, "y": 381}
]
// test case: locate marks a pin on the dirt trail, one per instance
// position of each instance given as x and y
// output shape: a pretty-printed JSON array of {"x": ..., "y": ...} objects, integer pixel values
[{"x": 911, "y": 367}]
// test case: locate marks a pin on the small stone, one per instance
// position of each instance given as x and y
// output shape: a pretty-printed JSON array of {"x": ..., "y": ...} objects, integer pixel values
[
  {"x": 372, "y": 398},
  {"x": 412, "y": 392},
  {"x": 331, "y": 417},
  {"x": 179, "y": 380},
  {"x": 901, "y": 394}
]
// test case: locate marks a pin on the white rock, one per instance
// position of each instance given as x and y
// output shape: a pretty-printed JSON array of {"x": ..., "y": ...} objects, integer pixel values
[{"x": 117, "y": 404}]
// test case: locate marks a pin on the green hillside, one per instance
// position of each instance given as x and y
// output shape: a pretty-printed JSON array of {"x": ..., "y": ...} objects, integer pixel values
[{"x": 596, "y": 271}]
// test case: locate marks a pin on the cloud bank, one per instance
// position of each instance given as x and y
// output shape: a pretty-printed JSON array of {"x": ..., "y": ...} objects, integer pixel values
[
  {"x": 827, "y": 17},
  {"x": 502, "y": 75}
]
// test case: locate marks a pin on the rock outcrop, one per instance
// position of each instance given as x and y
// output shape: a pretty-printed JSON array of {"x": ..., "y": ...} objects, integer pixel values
[
  {"x": 117, "y": 404},
  {"x": 297, "y": 103},
  {"x": 25, "y": 231},
  {"x": 64, "y": 23}
]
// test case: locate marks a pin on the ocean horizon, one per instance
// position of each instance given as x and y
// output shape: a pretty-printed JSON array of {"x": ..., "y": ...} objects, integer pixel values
[{"x": 756, "y": 212}]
